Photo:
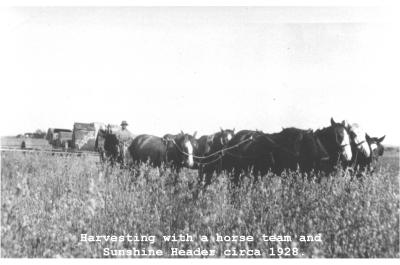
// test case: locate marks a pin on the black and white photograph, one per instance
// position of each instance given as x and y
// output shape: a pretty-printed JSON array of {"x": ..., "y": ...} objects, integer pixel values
[{"x": 199, "y": 132}]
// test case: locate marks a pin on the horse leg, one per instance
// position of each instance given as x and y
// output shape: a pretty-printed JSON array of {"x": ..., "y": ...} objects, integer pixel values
[
  {"x": 200, "y": 175},
  {"x": 236, "y": 178},
  {"x": 176, "y": 174}
]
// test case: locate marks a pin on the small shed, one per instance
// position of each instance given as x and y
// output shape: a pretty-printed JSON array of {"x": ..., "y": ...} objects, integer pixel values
[
  {"x": 53, "y": 135},
  {"x": 84, "y": 136},
  {"x": 64, "y": 140}
]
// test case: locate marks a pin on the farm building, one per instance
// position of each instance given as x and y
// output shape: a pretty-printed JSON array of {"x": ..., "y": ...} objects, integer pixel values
[
  {"x": 53, "y": 135},
  {"x": 64, "y": 140},
  {"x": 84, "y": 136}
]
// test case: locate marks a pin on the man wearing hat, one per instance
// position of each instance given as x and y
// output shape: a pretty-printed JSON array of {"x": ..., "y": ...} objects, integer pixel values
[
  {"x": 124, "y": 134},
  {"x": 123, "y": 125},
  {"x": 125, "y": 138}
]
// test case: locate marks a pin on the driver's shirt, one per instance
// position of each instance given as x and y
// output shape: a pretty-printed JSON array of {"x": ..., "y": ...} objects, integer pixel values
[{"x": 125, "y": 136}]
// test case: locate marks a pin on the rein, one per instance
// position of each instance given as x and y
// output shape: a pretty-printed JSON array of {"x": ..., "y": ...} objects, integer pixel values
[
  {"x": 211, "y": 155},
  {"x": 251, "y": 138},
  {"x": 360, "y": 143},
  {"x": 211, "y": 162},
  {"x": 220, "y": 153}
]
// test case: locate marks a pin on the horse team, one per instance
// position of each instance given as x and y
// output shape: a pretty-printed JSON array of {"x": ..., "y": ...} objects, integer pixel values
[{"x": 340, "y": 144}]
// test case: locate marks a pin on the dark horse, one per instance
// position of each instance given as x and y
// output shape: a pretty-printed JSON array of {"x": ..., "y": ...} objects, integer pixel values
[
  {"x": 210, "y": 151},
  {"x": 173, "y": 150},
  {"x": 376, "y": 149},
  {"x": 259, "y": 152},
  {"x": 312, "y": 153},
  {"x": 99, "y": 144},
  {"x": 336, "y": 141},
  {"x": 110, "y": 147}
]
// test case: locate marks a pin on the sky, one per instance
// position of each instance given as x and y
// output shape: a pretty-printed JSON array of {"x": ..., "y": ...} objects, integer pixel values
[{"x": 167, "y": 69}]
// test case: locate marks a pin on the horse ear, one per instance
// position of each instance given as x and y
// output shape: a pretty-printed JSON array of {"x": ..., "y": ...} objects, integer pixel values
[
  {"x": 222, "y": 130},
  {"x": 381, "y": 139},
  {"x": 344, "y": 123},
  {"x": 367, "y": 137},
  {"x": 333, "y": 123},
  {"x": 233, "y": 130},
  {"x": 194, "y": 134},
  {"x": 182, "y": 132}
]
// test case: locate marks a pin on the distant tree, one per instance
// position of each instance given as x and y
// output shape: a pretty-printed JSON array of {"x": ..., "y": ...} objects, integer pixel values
[{"x": 39, "y": 134}]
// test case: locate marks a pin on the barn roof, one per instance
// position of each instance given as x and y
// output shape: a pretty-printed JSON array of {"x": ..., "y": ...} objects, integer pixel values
[
  {"x": 56, "y": 130},
  {"x": 61, "y": 130}
]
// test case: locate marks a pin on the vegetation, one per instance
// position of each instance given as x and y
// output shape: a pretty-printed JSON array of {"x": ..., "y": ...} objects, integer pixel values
[{"x": 49, "y": 201}]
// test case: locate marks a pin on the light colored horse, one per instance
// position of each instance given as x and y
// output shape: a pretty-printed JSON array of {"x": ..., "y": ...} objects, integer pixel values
[{"x": 358, "y": 135}]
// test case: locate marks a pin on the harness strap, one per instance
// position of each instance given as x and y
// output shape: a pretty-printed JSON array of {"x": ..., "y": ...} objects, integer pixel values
[
  {"x": 211, "y": 155},
  {"x": 322, "y": 146},
  {"x": 360, "y": 143},
  {"x": 211, "y": 162},
  {"x": 225, "y": 150}
]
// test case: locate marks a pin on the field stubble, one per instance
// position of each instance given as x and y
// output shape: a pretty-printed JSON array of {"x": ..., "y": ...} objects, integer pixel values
[{"x": 48, "y": 202}]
